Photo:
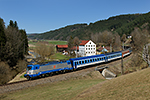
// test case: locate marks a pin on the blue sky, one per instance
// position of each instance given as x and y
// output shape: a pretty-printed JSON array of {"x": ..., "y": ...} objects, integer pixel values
[{"x": 37, "y": 16}]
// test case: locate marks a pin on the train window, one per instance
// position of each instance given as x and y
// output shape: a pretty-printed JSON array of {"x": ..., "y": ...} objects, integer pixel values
[
  {"x": 79, "y": 62},
  {"x": 95, "y": 59},
  {"x": 36, "y": 68},
  {"x": 104, "y": 57},
  {"x": 85, "y": 61},
  {"x": 91, "y": 60},
  {"x": 82, "y": 62},
  {"x": 100, "y": 58}
]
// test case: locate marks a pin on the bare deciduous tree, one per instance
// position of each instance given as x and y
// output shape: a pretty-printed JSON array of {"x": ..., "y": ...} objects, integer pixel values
[
  {"x": 76, "y": 43},
  {"x": 95, "y": 37},
  {"x": 70, "y": 44},
  {"x": 123, "y": 39},
  {"x": 139, "y": 40},
  {"x": 117, "y": 42},
  {"x": 44, "y": 51}
]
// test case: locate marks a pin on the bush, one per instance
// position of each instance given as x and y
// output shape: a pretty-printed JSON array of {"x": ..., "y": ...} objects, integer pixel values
[
  {"x": 4, "y": 73},
  {"x": 21, "y": 65}
]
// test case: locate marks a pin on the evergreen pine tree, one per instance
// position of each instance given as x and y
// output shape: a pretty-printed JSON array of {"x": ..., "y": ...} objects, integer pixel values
[{"x": 2, "y": 38}]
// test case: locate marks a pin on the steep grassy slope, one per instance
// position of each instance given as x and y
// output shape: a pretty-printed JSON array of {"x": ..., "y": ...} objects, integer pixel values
[{"x": 134, "y": 86}]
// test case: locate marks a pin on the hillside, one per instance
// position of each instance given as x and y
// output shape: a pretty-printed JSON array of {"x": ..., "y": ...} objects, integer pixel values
[
  {"x": 127, "y": 87},
  {"x": 121, "y": 24},
  {"x": 58, "y": 34}
]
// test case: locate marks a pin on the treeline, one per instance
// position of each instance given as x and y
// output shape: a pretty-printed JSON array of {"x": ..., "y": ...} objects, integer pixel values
[
  {"x": 122, "y": 24},
  {"x": 13, "y": 47},
  {"x": 58, "y": 34}
]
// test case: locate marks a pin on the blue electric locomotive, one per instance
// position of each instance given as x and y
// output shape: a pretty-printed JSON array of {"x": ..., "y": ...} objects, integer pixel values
[{"x": 39, "y": 70}]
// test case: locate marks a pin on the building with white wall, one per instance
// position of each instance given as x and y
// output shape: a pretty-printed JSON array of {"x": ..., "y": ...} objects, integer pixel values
[{"x": 87, "y": 48}]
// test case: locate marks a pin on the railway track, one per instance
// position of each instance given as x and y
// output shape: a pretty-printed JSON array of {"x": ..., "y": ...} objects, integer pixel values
[{"x": 56, "y": 78}]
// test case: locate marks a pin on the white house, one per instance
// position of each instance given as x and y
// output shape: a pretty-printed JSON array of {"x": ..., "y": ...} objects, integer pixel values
[{"x": 87, "y": 48}]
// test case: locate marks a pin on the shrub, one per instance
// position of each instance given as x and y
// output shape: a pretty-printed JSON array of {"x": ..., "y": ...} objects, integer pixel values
[{"x": 4, "y": 73}]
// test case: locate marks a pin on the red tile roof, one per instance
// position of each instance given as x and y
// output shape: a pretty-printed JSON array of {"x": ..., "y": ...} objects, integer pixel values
[
  {"x": 83, "y": 42},
  {"x": 62, "y": 46}
]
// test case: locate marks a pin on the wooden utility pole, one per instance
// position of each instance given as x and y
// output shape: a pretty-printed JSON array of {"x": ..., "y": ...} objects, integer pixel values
[{"x": 122, "y": 72}]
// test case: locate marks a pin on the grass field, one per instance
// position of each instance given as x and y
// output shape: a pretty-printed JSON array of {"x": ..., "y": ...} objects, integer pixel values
[
  {"x": 64, "y": 90},
  {"x": 55, "y": 42},
  {"x": 60, "y": 56}
]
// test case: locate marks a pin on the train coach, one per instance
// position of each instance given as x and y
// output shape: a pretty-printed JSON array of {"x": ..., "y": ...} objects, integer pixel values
[
  {"x": 73, "y": 63},
  {"x": 86, "y": 61}
]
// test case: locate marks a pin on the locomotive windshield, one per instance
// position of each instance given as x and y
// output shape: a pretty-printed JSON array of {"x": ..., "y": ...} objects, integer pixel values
[{"x": 29, "y": 68}]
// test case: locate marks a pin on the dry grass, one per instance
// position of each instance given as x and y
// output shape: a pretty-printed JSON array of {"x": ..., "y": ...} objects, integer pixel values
[
  {"x": 60, "y": 90},
  {"x": 127, "y": 87}
]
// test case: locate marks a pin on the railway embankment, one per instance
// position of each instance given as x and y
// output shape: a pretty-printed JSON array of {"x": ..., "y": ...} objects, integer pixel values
[{"x": 61, "y": 77}]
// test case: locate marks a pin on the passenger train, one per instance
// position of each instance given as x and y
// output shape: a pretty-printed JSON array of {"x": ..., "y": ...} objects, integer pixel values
[{"x": 72, "y": 64}]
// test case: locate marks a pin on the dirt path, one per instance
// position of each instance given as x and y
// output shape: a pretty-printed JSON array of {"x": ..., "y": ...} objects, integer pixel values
[{"x": 18, "y": 78}]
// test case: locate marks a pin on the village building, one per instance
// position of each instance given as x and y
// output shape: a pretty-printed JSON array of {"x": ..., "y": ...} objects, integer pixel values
[
  {"x": 87, "y": 48},
  {"x": 61, "y": 48},
  {"x": 64, "y": 49},
  {"x": 103, "y": 49}
]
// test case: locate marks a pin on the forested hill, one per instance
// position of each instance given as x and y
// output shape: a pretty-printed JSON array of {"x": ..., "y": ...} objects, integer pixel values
[{"x": 120, "y": 24}]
